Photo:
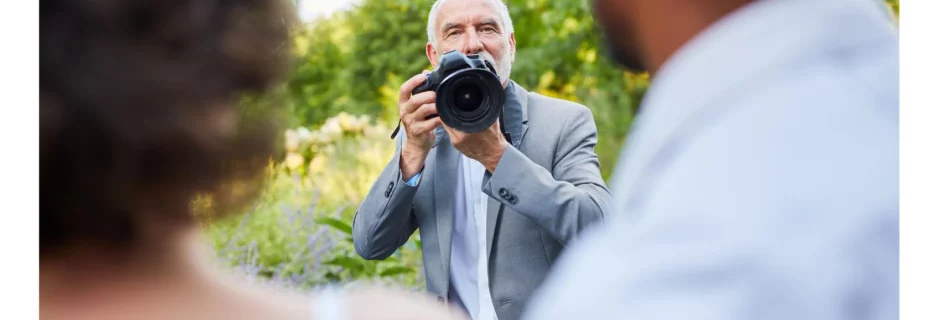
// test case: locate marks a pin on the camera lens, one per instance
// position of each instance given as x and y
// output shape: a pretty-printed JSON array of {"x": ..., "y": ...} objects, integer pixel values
[
  {"x": 468, "y": 97},
  {"x": 470, "y": 100}
]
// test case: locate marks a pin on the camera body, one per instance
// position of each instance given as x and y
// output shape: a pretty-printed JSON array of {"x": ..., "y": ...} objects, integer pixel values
[{"x": 469, "y": 94}]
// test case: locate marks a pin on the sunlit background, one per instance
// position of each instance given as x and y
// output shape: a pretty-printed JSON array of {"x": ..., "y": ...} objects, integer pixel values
[{"x": 310, "y": 10}]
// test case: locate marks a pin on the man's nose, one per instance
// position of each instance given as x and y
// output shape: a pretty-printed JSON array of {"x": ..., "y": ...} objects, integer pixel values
[{"x": 473, "y": 44}]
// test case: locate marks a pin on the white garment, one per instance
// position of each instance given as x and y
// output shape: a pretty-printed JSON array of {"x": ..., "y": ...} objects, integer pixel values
[
  {"x": 759, "y": 182},
  {"x": 329, "y": 304},
  {"x": 468, "y": 265}
]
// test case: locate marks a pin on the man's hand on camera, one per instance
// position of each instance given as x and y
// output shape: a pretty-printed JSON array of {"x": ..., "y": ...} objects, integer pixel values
[
  {"x": 420, "y": 132},
  {"x": 486, "y": 146}
]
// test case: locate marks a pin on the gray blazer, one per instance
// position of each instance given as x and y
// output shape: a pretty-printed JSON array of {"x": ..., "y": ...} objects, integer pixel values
[{"x": 546, "y": 189}]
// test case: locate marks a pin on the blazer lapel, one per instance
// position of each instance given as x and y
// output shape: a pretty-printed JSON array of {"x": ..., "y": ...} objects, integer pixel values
[
  {"x": 445, "y": 180},
  {"x": 516, "y": 122}
]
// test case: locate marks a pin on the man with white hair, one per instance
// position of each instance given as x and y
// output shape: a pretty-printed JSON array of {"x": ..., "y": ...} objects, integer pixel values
[{"x": 494, "y": 211}]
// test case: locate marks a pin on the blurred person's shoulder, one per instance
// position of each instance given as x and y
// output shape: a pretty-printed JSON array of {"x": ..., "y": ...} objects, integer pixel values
[
  {"x": 818, "y": 138},
  {"x": 814, "y": 122},
  {"x": 792, "y": 183}
]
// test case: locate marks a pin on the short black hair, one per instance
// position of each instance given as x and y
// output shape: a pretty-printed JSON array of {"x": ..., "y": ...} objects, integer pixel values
[{"x": 131, "y": 94}]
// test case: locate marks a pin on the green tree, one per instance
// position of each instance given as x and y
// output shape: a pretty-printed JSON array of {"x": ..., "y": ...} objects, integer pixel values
[{"x": 356, "y": 60}]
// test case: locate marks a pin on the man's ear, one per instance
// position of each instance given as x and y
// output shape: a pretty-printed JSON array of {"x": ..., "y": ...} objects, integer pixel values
[
  {"x": 512, "y": 42},
  {"x": 432, "y": 54}
]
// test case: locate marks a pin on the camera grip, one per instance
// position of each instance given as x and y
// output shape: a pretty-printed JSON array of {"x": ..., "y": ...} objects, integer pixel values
[{"x": 424, "y": 87}]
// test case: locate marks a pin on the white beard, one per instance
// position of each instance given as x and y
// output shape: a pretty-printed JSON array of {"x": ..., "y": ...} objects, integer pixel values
[{"x": 502, "y": 66}]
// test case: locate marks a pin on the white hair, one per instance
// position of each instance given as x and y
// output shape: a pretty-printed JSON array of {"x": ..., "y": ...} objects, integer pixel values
[{"x": 506, "y": 24}]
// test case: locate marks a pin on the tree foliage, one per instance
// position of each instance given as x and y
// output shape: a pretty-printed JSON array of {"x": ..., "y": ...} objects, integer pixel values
[{"x": 355, "y": 61}]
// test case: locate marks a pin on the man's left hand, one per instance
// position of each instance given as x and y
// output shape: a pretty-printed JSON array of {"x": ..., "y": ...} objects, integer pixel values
[{"x": 486, "y": 146}]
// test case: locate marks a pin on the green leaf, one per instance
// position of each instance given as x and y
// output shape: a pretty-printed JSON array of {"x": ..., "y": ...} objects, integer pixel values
[
  {"x": 392, "y": 271},
  {"x": 332, "y": 277},
  {"x": 347, "y": 263},
  {"x": 336, "y": 224},
  {"x": 370, "y": 267}
]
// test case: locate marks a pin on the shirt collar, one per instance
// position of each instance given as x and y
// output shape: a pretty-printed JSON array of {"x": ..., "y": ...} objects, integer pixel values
[{"x": 516, "y": 111}]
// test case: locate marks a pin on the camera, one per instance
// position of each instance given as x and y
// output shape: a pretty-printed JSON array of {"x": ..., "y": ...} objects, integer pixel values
[{"x": 469, "y": 94}]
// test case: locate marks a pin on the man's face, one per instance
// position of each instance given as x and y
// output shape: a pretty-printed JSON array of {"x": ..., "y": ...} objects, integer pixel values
[
  {"x": 473, "y": 27},
  {"x": 614, "y": 18}
]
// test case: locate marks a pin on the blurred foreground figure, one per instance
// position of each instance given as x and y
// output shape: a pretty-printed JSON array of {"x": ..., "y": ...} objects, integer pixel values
[
  {"x": 761, "y": 180},
  {"x": 138, "y": 116}
]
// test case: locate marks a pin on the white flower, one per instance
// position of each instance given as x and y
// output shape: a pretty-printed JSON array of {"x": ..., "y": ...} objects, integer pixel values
[
  {"x": 332, "y": 127},
  {"x": 347, "y": 122},
  {"x": 318, "y": 163},
  {"x": 294, "y": 160},
  {"x": 304, "y": 134},
  {"x": 320, "y": 137},
  {"x": 291, "y": 140}
]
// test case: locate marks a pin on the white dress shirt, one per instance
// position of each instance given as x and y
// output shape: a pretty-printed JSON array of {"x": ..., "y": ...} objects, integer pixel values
[
  {"x": 468, "y": 265},
  {"x": 760, "y": 180}
]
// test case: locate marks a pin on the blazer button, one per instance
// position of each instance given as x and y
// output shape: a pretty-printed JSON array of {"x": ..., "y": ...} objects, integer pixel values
[
  {"x": 513, "y": 200},
  {"x": 389, "y": 189},
  {"x": 441, "y": 299},
  {"x": 503, "y": 193}
]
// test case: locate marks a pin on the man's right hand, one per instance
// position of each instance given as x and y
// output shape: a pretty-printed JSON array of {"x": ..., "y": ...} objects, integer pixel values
[{"x": 420, "y": 133}]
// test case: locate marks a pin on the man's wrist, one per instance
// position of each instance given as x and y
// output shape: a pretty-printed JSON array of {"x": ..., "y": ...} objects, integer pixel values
[
  {"x": 411, "y": 162},
  {"x": 490, "y": 162}
]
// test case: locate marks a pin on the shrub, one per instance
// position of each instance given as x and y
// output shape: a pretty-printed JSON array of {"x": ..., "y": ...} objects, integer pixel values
[{"x": 298, "y": 233}]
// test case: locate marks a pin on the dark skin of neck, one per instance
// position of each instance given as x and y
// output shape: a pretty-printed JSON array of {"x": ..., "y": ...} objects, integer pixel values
[{"x": 661, "y": 28}]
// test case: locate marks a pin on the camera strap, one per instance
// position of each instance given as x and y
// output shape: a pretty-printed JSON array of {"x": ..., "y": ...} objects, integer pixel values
[
  {"x": 393, "y": 136},
  {"x": 501, "y": 123}
]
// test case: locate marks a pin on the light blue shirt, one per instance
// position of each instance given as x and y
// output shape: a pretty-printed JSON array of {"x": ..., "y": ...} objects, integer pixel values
[
  {"x": 760, "y": 181},
  {"x": 468, "y": 263}
]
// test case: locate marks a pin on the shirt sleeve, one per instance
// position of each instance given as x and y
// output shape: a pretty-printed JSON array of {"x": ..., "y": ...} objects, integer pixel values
[{"x": 414, "y": 181}]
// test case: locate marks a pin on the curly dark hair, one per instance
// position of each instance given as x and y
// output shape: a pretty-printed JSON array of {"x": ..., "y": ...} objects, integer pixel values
[{"x": 139, "y": 112}]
